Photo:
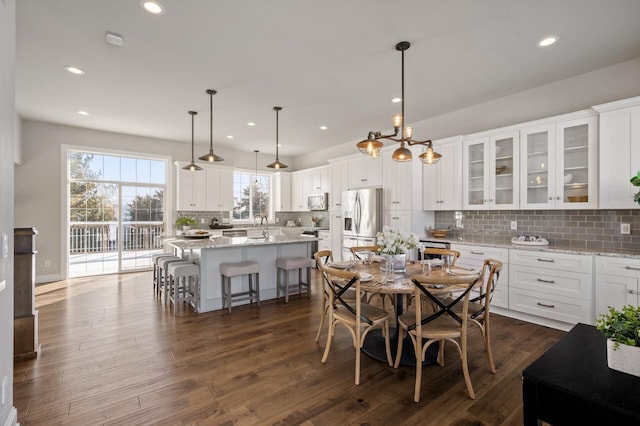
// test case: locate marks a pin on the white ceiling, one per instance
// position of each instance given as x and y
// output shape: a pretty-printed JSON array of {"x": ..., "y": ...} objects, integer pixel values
[{"x": 329, "y": 62}]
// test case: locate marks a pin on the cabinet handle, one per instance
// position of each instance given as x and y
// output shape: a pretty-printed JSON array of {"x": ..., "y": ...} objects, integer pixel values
[
  {"x": 477, "y": 252},
  {"x": 632, "y": 268},
  {"x": 557, "y": 198},
  {"x": 546, "y": 306},
  {"x": 546, "y": 281},
  {"x": 550, "y": 198},
  {"x": 540, "y": 259},
  {"x": 631, "y": 291}
]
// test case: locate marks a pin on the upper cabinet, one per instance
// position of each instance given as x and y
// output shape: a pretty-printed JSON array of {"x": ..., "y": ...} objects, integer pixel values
[
  {"x": 441, "y": 181},
  {"x": 297, "y": 202},
  {"x": 282, "y": 191},
  {"x": 219, "y": 189},
  {"x": 558, "y": 167},
  {"x": 490, "y": 172},
  {"x": 339, "y": 183},
  {"x": 306, "y": 182},
  {"x": 619, "y": 157},
  {"x": 192, "y": 189},
  {"x": 364, "y": 172},
  {"x": 397, "y": 183},
  {"x": 319, "y": 179}
]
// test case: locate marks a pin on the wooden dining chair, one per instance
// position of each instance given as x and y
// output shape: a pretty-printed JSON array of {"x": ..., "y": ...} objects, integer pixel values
[
  {"x": 323, "y": 257},
  {"x": 479, "y": 306},
  {"x": 426, "y": 328},
  {"x": 357, "y": 255},
  {"x": 359, "y": 317},
  {"x": 452, "y": 255}
]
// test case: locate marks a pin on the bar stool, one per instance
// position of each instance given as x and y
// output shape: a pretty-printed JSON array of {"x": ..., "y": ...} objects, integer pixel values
[
  {"x": 164, "y": 283},
  {"x": 185, "y": 284},
  {"x": 284, "y": 266},
  {"x": 154, "y": 259},
  {"x": 229, "y": 270}
]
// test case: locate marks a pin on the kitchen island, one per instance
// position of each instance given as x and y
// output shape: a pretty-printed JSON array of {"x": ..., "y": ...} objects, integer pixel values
[{"x": 211, "y": 252}]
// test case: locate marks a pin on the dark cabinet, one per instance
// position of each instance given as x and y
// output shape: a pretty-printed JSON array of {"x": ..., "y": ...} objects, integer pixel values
[{"x": 25, "y": 316}]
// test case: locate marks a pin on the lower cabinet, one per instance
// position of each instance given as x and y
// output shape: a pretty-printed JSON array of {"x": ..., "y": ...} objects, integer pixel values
[
  {"x": 473, "y": 257},
  {"x": 336, "y": 235},
  {"x": 617, "y": 283},
  {"x": 324, "y": 240},
  {"x": 556, "y": 286}
]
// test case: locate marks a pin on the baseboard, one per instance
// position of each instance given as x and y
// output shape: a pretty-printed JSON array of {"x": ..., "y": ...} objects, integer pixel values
[
  {"x": 532, "y": 319},
  {"x": 42, "y": 279},
  {"x": 12, "y": 420}
]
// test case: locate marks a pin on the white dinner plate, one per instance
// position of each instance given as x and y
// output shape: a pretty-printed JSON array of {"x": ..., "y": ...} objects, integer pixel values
[
  {"x": 341, "y": 265},
  {"x": 364, "y": 277}
]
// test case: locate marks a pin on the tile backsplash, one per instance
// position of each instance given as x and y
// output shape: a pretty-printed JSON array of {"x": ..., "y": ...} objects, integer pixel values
[{"x": 580, "y": 229}]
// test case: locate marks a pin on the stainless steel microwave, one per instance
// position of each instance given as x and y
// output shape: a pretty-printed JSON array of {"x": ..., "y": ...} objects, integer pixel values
[{"x": 318, "y": 201}]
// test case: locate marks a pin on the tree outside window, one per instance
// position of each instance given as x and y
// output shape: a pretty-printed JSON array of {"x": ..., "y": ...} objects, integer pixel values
[{"x": 251, "y": 196}]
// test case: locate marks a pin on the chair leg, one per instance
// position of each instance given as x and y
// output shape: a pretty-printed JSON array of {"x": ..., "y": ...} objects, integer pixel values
[
  {"x": 299, "y": 281},
  {"x": 308, "y": 282},
  {"x": 224, "y": 294},
  {"x": 387, "y": 343},
  {"x": 325, "y": 307},
  {"x": 251, "y": 292},
  {"x": 401, "y": 333},
  {"x": 278, "y": 283},
  {"x": 286, "y": 285},
  {"x": 418, "y": 348},
  {"x": 228, "y": 286},
  {"x": 487, "y": 346},
  {"x": 358, "y": 351},
  {"x": 465, "y": 369},
  {"x": 330, "y": 331},
  {"x": 258, "y": 288}
]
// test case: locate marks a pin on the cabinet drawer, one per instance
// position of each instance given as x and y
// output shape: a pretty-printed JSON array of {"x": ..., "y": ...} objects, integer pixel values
[
  {"x": 559, "y": 308},
  {"x": 501, "y": 292},
  {"x": 556, "y": 261},
  {"x": 549, "y": 281},
  {"x": 618, "y": 266},
  {"x": 480, "y": 253}
]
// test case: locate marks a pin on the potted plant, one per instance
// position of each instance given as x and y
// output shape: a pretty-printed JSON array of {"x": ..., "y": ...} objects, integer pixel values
[
  {"x": 185, "y": 223},
  {"x": 622, "y": 330},
  {"x": 635, "y": 181}
]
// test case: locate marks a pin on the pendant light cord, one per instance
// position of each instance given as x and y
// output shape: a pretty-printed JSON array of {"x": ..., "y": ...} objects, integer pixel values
[
  {"x": 277, "y": 127},
  {"x": 402, "y": 94}
]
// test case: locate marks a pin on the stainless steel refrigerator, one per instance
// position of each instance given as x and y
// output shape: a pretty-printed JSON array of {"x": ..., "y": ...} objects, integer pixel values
[{"x": 361, "y": 218}]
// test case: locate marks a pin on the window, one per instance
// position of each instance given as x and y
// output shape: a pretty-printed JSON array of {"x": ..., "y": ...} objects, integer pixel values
[{"x": 251, "y": 195}]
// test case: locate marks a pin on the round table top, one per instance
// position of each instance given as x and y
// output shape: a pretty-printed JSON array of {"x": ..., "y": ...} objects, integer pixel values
[{"x": 402, "y": 283}]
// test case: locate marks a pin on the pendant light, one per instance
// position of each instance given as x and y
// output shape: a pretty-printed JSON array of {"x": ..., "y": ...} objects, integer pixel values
[
  {"x": 193, "y": 166},
  {"x": 211, "y": 157},
  {"x": 277, "y": 164},
  {"x": 371, "y": 146},
  {"x": 256, "y": 183}
]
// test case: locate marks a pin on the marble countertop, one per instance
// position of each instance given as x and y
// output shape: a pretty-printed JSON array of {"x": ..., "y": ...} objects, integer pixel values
[
  {"x": 557, "y": 248},
  {"x": 179, "y": 242}
]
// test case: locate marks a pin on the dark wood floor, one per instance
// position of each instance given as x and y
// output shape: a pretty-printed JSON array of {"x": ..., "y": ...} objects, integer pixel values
[{"x": 112, "y": 354}]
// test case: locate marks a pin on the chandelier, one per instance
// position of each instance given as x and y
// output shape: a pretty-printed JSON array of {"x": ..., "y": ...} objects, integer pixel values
[{"x": 371, "y": 146}]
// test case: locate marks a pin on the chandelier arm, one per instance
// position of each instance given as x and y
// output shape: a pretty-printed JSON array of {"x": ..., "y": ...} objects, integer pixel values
[{"x": 411, "y": 142}]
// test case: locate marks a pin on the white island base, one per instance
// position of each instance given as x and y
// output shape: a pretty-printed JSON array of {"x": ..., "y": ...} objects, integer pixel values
[{"x": 221, "y": 250}]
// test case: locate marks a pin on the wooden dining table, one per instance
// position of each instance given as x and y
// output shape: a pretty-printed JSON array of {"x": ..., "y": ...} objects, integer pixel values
[{"x": 400, "y": 287}]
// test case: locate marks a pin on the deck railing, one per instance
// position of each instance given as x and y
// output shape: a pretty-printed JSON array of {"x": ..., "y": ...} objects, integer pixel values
[{"x": 102, "y": 237}]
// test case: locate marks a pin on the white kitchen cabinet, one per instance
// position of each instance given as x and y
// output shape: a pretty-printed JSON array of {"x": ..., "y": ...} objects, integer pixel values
[
  {"x": 282, "y": 191},
  {"x": 219, "y": 194},
  {"x": 336, "y": 235},
  {"x": 319, "y": 179},
  {"x": 398, "y": 219},
  {"x": 490, "y": 172},
  {"x": 298, "y": 201},
  {"x": 192, "y": 189},
  {"x": 473, "y": 257},
  {"x": 365, "y": 172},
  {"x": 397, "y": 183},
  {"x": 558, "y": 163},
  {"x": 617, "y": 283},
  {"x": 324, "y": 240},
  {"x": 441, "y": 181},
  {"x": 557, "y": 286},
  {"x": 339, "y": 183},
  {"x": 619, "y": 151}
]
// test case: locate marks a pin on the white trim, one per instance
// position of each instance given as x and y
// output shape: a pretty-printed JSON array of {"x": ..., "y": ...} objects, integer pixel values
[
  {"x": 533, "y": 319},
  {"x": 12, "y": 420},
  {"x": 40, "y": 279},
  {"x": 612, "y": 106}
]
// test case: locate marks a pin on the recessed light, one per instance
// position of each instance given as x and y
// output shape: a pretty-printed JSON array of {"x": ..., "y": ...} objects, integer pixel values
[
  {"x": 323, "y": 127},
  {"x": 251, "y": 123},
  {"x": 396, "y": 100},
  {"x": 229, "y": 136},
  {"x": 279, "y": 145},
  {"x": 152, "y": 6},
  {"x": 74, "y": 70},
  {"x": 83, "y": 112},
  {"x": 548, "y": 41}
]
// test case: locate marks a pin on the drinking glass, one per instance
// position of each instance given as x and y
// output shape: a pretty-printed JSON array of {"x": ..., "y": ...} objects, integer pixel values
[
  {"x": 426, "y": 267},
  {"x": 367, "y": 257}
]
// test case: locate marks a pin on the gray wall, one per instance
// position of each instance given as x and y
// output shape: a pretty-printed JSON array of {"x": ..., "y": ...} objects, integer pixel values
[
  {"x": 597, "y": 230},
  {"x": 7, "y": 152}
]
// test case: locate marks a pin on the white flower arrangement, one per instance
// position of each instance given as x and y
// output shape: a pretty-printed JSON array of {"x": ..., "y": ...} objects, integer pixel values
[{"x": 391, "y": 241}]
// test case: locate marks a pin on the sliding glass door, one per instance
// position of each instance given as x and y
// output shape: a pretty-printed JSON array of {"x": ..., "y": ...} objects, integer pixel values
[{"x": 116, "y": 211}]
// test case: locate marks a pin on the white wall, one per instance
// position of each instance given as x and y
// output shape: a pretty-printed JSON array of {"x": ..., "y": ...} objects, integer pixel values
[
  {"x": 7, "y": 150},
  {"x": 39, "y": 180},
  {"x": 616, "y": 82}
]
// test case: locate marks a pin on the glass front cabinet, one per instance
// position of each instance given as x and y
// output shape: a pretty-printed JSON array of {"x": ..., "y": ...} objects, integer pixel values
[
  {"x": 490, "y": 174},
  {"x": 559, "y": 165}
]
